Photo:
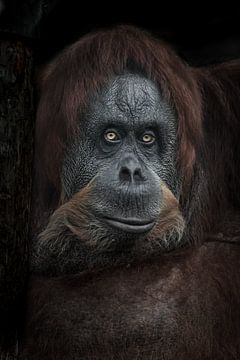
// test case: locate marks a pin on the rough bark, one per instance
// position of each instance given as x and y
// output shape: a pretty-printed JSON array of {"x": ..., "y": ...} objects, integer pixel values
[{"x": 16, "y": 155}]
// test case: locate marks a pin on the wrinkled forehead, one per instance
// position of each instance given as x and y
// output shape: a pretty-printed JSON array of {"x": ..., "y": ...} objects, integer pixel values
[
  {"x": 129, "y": 94},
  {"x": 130, "y": 100}
]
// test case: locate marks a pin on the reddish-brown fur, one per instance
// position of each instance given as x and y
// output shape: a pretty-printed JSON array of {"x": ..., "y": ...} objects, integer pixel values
[
  {"x": 84, "y": 68},
  {"x": 183, "y": 305},
  {"x": 73, "y": 231}
]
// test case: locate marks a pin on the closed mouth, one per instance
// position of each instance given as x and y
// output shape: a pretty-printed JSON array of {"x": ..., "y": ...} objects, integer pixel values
[{"x": 131, "y": 225}]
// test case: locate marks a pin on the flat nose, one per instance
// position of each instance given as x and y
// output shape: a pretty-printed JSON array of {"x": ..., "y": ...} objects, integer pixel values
[{"x": 130, "y": 171}]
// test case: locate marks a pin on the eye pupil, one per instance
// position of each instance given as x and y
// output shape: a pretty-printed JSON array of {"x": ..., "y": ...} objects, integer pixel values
[
  {"x": 147, "y": 138},
  {"x": 111, "y": 136}
]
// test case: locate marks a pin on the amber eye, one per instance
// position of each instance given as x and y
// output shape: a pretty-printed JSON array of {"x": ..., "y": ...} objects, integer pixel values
[
  {"x": 148, "y": 138},
  {"x": 111, "y": 136}
]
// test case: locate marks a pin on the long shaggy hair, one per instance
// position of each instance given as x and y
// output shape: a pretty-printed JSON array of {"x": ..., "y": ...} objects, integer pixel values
[
  {"x": 76, "y": 241},
  {"x": 207, "y": 115},
  {"x": 180, "y": 305},
  {"x": 80, "y": 71}
]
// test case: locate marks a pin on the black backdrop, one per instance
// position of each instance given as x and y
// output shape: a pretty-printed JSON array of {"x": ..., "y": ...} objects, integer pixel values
[{"x": 200, "y": 34}]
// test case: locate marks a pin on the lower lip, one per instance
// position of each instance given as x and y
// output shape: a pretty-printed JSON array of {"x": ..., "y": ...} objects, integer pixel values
[{"x": 130, "y": 227}]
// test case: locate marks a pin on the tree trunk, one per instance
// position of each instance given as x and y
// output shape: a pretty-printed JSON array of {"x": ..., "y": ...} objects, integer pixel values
[{"x": 16, "y": 159}]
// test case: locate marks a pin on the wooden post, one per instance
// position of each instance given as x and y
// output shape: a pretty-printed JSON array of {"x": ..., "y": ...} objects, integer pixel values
[{"x": 16, "y": 160}]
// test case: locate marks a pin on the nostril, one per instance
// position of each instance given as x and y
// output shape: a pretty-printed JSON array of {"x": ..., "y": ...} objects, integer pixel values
[
  {"x": 129, "y": 175},
  {"x": 137, "y": 175},
  {"x": 125, "y": 174}
]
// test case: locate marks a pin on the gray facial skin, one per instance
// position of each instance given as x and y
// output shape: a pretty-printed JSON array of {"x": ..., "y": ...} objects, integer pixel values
[
  {"x": 131, "y": 104},
  {"x": 121, "y": 176},
  {"x": 128, "y": 171}
]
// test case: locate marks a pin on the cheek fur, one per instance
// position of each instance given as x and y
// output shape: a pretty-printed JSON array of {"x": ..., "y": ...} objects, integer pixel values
[
  {"x": 75, "y": 240},
  {"x": 169, "y": 229}
]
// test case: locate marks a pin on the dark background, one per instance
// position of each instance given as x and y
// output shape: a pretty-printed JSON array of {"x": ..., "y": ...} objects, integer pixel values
[{"x": 201, "y": 35}]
